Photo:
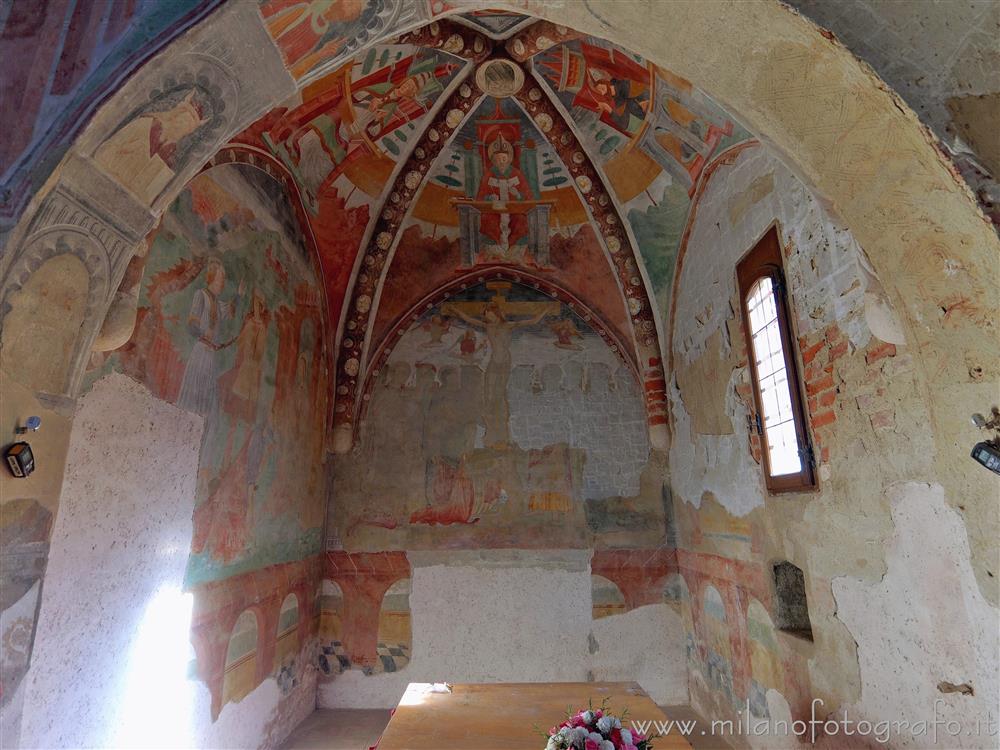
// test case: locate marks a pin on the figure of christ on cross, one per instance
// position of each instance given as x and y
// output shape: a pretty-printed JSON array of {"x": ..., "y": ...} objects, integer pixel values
[{"x": 499, "y": 318}]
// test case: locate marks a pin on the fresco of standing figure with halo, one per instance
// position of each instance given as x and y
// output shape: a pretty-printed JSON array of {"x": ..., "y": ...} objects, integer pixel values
[{"x": 229, "y": 326}]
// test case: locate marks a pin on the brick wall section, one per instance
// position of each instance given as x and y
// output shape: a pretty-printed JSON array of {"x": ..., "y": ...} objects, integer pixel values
[
  {"x": 822, "y": 354},
  {"x": 825, "y": 388}
]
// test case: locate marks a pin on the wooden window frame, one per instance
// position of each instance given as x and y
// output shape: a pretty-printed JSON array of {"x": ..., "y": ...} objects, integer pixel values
[{"x": 765, "y": 260}]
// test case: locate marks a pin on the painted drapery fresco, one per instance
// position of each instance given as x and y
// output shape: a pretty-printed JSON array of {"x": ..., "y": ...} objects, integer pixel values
[
  {"x": 144, "y": 152},
  {"x": 60, "y": 60},
  {"x": 230, "y": 327},
  {"x": 501, "y": 419}
]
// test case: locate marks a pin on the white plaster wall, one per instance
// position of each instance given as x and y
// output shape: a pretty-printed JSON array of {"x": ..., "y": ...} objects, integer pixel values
[
  {"x": 940, "y": 629},
  {"x": 512, "y": 616},
  {"x": 112, "y": 650},
  {"x": 720, "y": 464},
  {"x": 645, "y": 644}
]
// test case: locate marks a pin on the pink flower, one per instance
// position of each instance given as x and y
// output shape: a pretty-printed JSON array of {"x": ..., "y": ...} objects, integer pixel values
[{"x": 591, "y": 745}]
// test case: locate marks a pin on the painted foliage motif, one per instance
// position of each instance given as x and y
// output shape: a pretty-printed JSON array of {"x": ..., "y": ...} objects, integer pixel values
[
  {"x": 493, "y": 426},
  {"x": 229, "y": 326}
]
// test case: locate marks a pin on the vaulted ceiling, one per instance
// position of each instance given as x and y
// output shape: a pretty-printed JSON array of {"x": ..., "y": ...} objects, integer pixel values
[{"x": 491, "y": 145}]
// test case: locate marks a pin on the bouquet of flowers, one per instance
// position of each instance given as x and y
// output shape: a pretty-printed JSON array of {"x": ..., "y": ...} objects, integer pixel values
[{"x": 595, "y": 729}]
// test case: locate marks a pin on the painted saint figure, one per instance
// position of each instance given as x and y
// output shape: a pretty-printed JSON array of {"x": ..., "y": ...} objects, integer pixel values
[
  {"x": 620, "y": 102},
  {"x": 501, "y": 183},
  {"x": 199, "y": 388},
  {"x": 142, "y": 155},
  {"x": 243, "y": 380}
]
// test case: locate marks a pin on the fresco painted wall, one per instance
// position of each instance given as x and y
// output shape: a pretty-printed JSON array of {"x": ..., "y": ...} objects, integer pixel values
[
  {"x": 230, "y": 327},
  {"x": 502, "y": 419},
  {"x": 499, "y": 194},
  {"x": 866, "y": 427},
  {"x": 343, "y": 136},
  {"x": 651, "y": 132},
  {"x": 120, "y": 658},
  {"x": 62, "y": 59}
]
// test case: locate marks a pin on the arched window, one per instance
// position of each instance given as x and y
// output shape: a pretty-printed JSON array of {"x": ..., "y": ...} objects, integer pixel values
[
  {"x": 780, "y": 418},
  {"x": 241, "y": 659}
]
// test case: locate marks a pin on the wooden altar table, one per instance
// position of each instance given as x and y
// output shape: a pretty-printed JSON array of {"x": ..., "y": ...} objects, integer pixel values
[{"x": 504, "y": 716}]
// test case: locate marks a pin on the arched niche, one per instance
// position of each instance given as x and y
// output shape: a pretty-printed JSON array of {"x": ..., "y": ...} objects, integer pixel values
[
  {"x": 240, "y": 676},
  {"x": 287, "y": 645},
  {"x": 502, "y": 414},
  {"x": 333, "y": 657},
  {"x": 606, "y": 598},
  {"x": 394, "y": 628},
  {"x": 38, "y": 347}
]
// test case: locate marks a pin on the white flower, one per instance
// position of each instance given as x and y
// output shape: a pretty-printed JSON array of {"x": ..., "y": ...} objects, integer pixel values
[
  {"x": 605, "y": 724},
  {"x": 618, "y": 723},
  {"x": 579, "y": 736},
  {"x": 607, "y": 745},
  {"x": 588, "y": 717},
  {"x": 626, "y": 737},
  {"x": 596, "y": 737}
]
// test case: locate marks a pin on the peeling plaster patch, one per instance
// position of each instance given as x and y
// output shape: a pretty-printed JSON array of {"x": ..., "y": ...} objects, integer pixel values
[
  {"x": 643, "y": 645},
  {"x": 779, "y": 716},
  {"x": 759, "y": 189},
  {"x": 705, "y": 384},
  {"x": 244, "y": 724},
  {"x": 824, "y": 265},
  {"x": 949, "y": 634},
  {"x": 720, "y": 464}
]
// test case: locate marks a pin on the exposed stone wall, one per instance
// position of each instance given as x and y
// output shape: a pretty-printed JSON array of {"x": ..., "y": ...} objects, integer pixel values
[{"x": 867, "y": 425}]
